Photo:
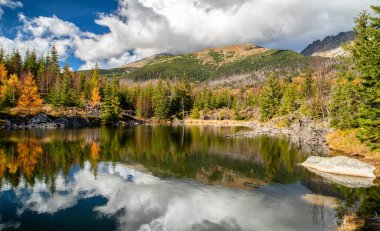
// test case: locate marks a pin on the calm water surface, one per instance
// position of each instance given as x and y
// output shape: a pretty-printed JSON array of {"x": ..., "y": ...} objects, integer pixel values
[{"x": 165, "y": 178}]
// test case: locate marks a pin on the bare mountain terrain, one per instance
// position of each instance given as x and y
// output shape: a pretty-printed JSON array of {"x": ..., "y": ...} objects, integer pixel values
[{"x": 331, "y": 46}]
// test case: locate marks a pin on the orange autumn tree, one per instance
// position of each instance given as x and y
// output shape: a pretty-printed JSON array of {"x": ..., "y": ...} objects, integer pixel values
[
  {"x": 29, "y": 94},
  {"x": 3, "y": 73},
  {"x": 14, "y": 84},
  {"x": 95, "y": 83},
  {"x": 95, "y": 96}
]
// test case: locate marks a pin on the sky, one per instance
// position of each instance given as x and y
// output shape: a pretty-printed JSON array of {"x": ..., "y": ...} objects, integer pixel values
[{"x": 112, "y": 33}]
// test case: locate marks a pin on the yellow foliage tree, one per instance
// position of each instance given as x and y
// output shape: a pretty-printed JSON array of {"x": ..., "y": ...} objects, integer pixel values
[
  {"x": 29, "y": 94},
  {"x": 3, "y": 73},
  {"x": 14, "y": 85},
  {"x": 95, "y": 96}
]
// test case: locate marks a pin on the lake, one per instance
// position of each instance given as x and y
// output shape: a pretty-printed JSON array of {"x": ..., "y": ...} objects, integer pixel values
[{"x": 165, "y": 178}]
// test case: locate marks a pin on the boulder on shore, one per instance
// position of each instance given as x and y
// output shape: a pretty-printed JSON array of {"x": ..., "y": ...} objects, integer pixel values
[{"x": 340, "y": 165}]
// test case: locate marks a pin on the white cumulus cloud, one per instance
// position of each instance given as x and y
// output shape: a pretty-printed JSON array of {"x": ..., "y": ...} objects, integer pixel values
[
  {"x": 10, "y": 4},
  {"x": 155, "y": 26}
]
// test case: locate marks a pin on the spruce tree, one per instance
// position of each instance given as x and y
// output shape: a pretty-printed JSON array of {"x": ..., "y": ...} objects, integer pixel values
[
  {"x": 344, "y": 100},
  {"x": 270, "y": 98},
  {"x": 54, "y": 64},
  {"x": 181, "y": 102},
  {"x": 161, "y": 101},
  {"x": 366, "y": 55},
  {"x": 110, "y": 106},
  {"x": 289, "y": 100}
]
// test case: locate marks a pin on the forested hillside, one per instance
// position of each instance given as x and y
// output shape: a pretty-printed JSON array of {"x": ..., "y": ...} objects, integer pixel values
[{"x": 220, "y": 63}]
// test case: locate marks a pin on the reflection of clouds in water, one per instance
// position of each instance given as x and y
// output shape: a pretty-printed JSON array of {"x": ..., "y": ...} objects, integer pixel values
[
  {"x": 149, "y": 203},
  {"x": 9, "y": 225}
]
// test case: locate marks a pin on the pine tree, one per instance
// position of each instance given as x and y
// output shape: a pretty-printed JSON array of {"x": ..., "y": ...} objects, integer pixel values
[
  {"x": 344, "y": 105},
  {"x": 161, "y": 102},
  {"x": 308, "y": 84},
  {"x": 54, "y": 61},
  {"x": 270, "y": 98},
  {"x": 29, "y": 94},
  {"x": 14, "y": 63},
  {"x": 110, "y": 106},
  {"x": 41, "y": 76},
  {"x": 366, "y": 55},
  {"x": 68, "y": 94},
  {"x": 143, "y": 101},
  {"x": 30, "y": 63},
  {"x": 289, "y": 100},
  {"x": 181, "y": 102}
]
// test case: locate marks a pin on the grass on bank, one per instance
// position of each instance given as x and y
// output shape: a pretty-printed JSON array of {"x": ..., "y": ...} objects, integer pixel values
[{"x": 346, "y": 141}]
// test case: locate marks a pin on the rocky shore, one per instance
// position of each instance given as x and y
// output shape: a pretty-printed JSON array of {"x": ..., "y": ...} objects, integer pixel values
[
  {"x": 304, "y": 133},
  {"x": 45, "y": 121}
]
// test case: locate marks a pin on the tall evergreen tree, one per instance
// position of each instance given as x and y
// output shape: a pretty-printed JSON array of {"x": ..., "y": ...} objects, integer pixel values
[
  {"x": 110, "y": 107},
  {"x": 30, "y": 63},
  {"x": 161, "y": 102},
  {"x": 14, "y": 64},
  {"x": 344, "y": 99},
  {"x": 366, "y": 55},
  {"x": 181, "y": 102},
  {"x": 289, "y": 100},
  {"x": 308, "y": 84},
  {"x": 270, "y": 98}
]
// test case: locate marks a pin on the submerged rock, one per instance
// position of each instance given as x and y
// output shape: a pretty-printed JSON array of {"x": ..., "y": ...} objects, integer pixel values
[{"x": 340, "y": 165}]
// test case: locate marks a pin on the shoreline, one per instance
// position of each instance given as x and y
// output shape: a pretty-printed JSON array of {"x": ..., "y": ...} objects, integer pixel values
[{"x": 314, "y": 138}]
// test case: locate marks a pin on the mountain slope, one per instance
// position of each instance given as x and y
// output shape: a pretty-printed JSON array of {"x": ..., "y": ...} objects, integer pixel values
[
  {"x": 230, "y": 64},
  {"x": 223, "y": 62},
  {"x": 329, "y": 46}
]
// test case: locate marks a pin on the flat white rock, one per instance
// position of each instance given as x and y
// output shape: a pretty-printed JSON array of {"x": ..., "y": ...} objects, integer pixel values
[{"x": 340, "y": 165}]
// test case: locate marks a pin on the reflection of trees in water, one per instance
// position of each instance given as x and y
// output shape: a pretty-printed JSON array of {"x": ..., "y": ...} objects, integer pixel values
[
  {"x": 366, "y": 201},
  {"x": 180, "y": 151}
]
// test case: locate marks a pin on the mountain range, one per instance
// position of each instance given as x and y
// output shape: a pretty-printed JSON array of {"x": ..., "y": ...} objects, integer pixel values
[
  {"x": 331, "y": 46},
  {"x": 246, "y": 61}
]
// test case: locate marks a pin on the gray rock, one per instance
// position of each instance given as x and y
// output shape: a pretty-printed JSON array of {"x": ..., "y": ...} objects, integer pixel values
[
  {"x": 340, "y": 165},
  {"x": 39, "y": 119}
]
